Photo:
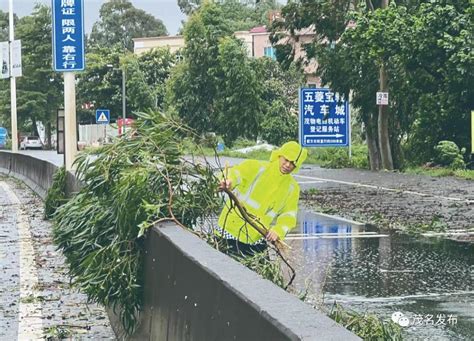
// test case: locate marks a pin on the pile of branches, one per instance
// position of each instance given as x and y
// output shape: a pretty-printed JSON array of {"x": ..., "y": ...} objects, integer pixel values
[{"x": 128, "y": 185}]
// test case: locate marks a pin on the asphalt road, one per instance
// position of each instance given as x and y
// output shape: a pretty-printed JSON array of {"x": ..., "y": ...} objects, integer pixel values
[{"x": 36, "y": 300}]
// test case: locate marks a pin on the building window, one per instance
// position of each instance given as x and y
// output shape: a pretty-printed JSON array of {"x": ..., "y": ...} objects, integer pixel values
[{"x": 269, "y": 52}]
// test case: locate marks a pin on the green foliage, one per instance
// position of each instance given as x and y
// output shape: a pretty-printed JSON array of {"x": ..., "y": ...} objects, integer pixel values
[
  {"x": 219, "y": 89},
  {"x": 128, "y": 185},
  {"x": 193, "y": 86},
  {"x": 447, "y": 153},
  {"x": 56, "y": 195},
  {"x": 437, "y": 171},
  {"x": 54, "y": 333},
  {"x": 424, "y": 47},
  {"x": 339, "y": 157},
  {"x": 146, "y": 78},
  {"x": 367, "y": 326},
  {"x": 239, "y": 15},
  {"x": 101, "y": 82},
  {"x": 120, "y": 22},
  {"x": 239, "y": 102},
  {"x": 265, "y": 267},
  {"x": 435, "y": 225},
  {"x": 280, "y": 92}
]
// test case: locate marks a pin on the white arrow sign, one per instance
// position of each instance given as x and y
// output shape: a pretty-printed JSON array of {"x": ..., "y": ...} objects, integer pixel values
[{"x": 334, "y": 135}]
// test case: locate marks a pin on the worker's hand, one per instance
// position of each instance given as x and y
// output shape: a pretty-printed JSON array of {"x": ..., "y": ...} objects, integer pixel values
[
  {"x": 272, "y": 236},
  {"x": 225, "y": 184}
]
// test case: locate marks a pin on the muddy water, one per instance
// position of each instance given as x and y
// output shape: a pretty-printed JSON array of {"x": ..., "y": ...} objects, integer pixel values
[{"x": 429, "y": 281}]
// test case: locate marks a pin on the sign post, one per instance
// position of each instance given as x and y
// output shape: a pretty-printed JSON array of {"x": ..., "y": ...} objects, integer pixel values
[
  {"x": 102, "y": 116},
  {"x": 13, "y": 80},
  {"x": 324, "y": 119},
  {"x": 68, "y": 57}
]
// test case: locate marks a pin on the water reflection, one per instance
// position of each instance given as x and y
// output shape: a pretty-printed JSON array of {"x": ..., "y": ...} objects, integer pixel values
[{"x": 387, "y": 273}]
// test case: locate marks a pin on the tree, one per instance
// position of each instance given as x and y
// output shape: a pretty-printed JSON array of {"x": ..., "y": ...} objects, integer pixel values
[
  {"x": 240, "y": 15},
  {"x": 39, "y": 90},
  {"x": 280, "y": 95},
  {"x": 439, "y": 64},
  {"x": 120, "y": 22},
  {"x": 356, "y": 49},
  {"x": 101, "y": 82},
  {"x": 193, "y": 84},
  {"x": 147, "y": 75},
  {"x": 239, "y": 104},
  {"x": 189, "y": 6}
]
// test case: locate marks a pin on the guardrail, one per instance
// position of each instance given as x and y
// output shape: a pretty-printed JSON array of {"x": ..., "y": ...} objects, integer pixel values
[{"x": 194, "y": 292}]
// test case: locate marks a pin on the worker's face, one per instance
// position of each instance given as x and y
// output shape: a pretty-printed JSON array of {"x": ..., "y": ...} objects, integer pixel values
[{"x": 286, "y": 166}]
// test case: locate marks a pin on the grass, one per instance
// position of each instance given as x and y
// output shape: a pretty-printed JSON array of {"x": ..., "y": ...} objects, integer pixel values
[
  {"x": 325, "y": 157},
  {"x": 367, "y": 326},
  {"x": 467, "y": 174}
]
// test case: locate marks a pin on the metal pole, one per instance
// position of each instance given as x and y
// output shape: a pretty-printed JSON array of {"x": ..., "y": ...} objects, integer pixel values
[
  {"x": 124, "y": 101},
  {"x": 350, "y": 129},
  {"x": 70, "y": 129},
  {"x": 12, "y": 83}
]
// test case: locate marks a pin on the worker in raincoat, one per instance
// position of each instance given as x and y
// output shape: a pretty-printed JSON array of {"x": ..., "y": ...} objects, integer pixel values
[{"x": 268, "y": 191}]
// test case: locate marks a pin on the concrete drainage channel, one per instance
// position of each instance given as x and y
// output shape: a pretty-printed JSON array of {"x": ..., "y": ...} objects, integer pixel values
[{"x": 193, "y": 292}]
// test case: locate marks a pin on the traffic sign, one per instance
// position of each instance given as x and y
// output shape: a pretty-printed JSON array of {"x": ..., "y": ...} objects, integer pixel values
[
  {"x": 381, "y": 98},
  {"x": 324, "y": 118},
  {"x": 5, "y": 57},
  {"x": 68, "y": 35},
  {"x": 102, "y": 116}
]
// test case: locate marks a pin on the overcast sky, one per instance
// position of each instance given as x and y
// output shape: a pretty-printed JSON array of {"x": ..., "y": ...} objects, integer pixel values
[{"x": 166, "y": 10}]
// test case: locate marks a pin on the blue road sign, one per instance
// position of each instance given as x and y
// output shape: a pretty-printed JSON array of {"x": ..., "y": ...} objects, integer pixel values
[
  {"x": 3, "y": 137},
  {"x": 68, "y": 35},
  {"x": 323, "y": 118},
  {"x": 102, "y": 116}
]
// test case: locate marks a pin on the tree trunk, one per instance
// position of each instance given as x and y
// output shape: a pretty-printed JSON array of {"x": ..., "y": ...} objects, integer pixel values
[
  {"x": 372, "y": 145},
  {"x": 48, "y": 135},
  {"x": 34, "y": 128},
  {"x": 384, "y": 138}
]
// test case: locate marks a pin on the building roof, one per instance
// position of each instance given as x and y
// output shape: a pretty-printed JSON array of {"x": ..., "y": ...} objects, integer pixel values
[{"x": 258, "y": 29}]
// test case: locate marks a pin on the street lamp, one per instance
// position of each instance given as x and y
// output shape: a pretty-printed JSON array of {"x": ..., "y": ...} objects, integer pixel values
[{"x": 124, "y": 98}]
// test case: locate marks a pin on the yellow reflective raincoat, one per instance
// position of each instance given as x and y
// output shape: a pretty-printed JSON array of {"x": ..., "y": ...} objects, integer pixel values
[{"x": 266, "y": 193}]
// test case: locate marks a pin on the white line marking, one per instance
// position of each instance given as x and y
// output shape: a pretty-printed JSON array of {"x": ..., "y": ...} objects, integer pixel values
[
  {"x": 384, "y": 188},
  {"x": 331, "y": 234},
  {"x": 30, "y": 322},
  {"x": 338, "y": 236}
]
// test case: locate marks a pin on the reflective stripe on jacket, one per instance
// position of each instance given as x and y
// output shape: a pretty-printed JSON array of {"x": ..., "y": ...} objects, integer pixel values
[{"x": 266, "y": 193}]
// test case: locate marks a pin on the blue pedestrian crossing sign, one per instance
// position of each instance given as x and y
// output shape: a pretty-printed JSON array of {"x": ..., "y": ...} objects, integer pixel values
[
  {"x": 102, "y": 116},
  {"x": 324, "y": 119}
]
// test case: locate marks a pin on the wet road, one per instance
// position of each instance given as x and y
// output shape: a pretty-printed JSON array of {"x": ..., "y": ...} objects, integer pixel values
[
  {"x": 428, "y": 280},
  {"x": 36, "y": 300}
]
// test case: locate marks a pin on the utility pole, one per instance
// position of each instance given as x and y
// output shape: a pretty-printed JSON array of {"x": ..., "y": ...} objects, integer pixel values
[
  {"x": 384, "y": 137},
  {"x": 124, "y": 101},
  {"x": 12, "y": 83},
  {"x": 70, "y": 118}
]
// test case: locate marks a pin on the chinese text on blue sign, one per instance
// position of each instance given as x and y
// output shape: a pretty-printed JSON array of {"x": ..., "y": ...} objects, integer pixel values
[
  {"x": 68, "y": 35},
  {"x": 324, "y": 118}
]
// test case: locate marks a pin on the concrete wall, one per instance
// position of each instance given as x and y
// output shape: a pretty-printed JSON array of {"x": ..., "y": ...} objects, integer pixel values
[
  {"x": 193, "y": 292},
  {"x": 36, "y": 174}
]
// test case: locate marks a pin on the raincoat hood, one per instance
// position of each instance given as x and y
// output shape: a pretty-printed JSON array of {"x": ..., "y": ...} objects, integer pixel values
[{"x": 292, "y": 151}]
